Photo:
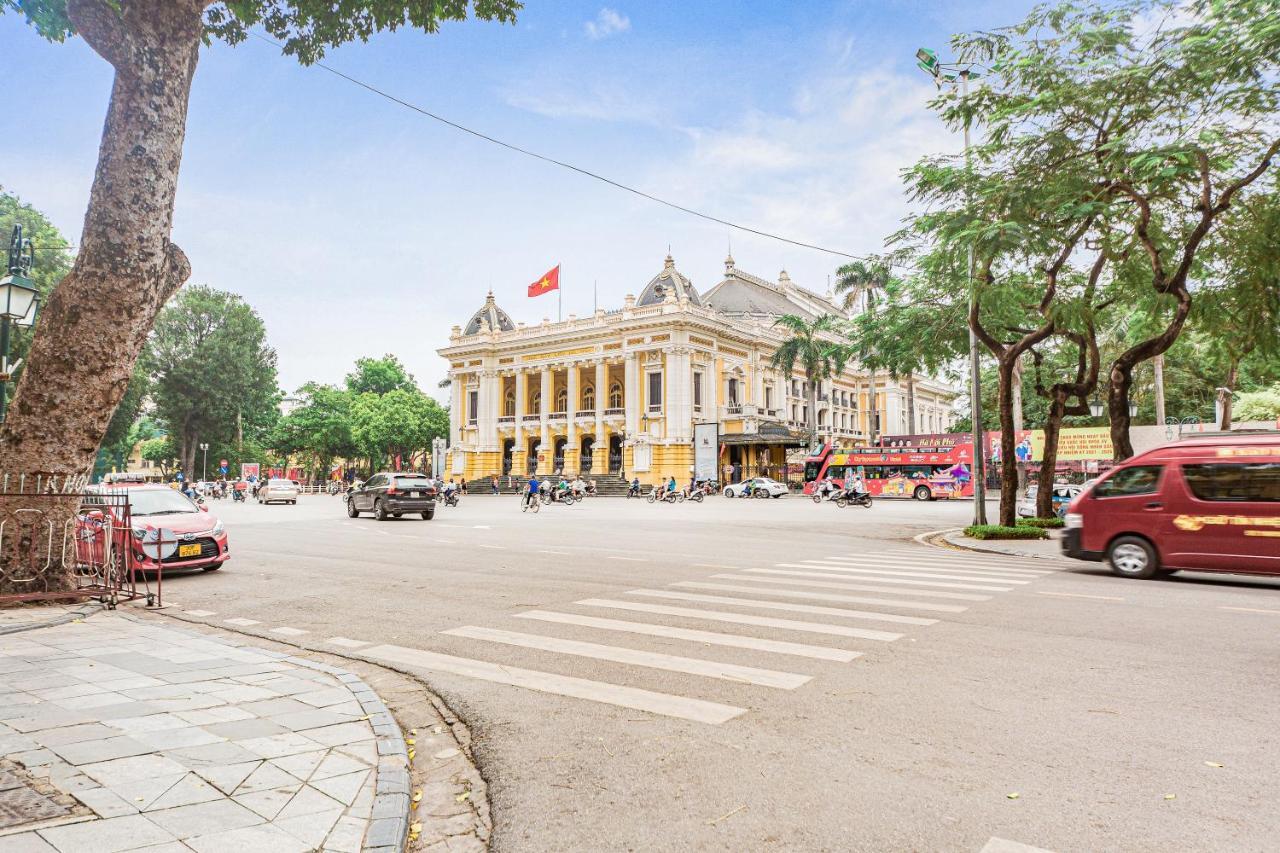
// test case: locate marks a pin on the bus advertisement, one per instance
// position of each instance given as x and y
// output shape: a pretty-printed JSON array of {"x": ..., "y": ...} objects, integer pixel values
[{"x": 922, "y": 473}]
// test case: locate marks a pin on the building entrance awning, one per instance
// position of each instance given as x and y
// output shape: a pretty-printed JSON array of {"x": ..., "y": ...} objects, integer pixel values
[{"x": 769, "y": 434}]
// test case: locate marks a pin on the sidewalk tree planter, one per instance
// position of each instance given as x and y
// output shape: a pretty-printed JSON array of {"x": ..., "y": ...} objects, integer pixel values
[
  {"x": 126, "y": 267},
  {"x": 995, "y": 531}
]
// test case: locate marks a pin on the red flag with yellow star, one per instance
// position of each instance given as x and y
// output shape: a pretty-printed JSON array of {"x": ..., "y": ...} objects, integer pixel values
[{"x": 547, "y": 283}]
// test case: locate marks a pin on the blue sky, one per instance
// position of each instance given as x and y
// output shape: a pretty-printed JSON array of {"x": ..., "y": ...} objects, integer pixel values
[{"x": 357, "y": 227}]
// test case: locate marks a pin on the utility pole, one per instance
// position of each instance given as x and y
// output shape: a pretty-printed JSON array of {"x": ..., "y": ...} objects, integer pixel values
[{"x": 1157, "y": 364}]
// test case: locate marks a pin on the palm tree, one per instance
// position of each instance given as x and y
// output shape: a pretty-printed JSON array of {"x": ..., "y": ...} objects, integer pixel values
[
  {"x": 862, "y": 282},
  {"x": 816, "y": 356}
]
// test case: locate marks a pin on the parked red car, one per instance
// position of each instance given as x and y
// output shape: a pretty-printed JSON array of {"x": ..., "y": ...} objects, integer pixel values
[
  {"x": 168, "y": 528},
  {"x": 1208, "y": 504}
]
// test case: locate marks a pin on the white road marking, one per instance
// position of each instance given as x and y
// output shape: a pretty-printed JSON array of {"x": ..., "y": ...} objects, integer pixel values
[
  {"x": 481, "y": 527},
  {"x": 743, "y": 619},
  {"x": 557, "y": 553},
  {"x": 941, "y": 574},
  {"x": 289, "y": 632},
  {"x": 635, "y": 657},
  {"x": 817, "y": 596},
  {"x": 1003, "y": 845},
  {"x": 1248, "y": 609},
  {"x": 939, "y": 565},
  {"x": 777, "y": 605},
  {"x": 955, "y": 596},
  {"x": 444, "y": 541},
  {"x": 382, "y": 533},
  {"x": 714, "y": 638},
  {"x": 997, "y": 563},
  {"x": 629, "y": 559},
  {"x": 494, "y": 547},
  {"x": 1082, "y": 595},
  {"x": 714, "y": 566},
  {"x": 876, "y": 576},
  {"x": 244, "y": 623},
  {"x": 200, "y": 612},
  {"x": 346, "y": 643},
  {"x": 697, "y": 710}
]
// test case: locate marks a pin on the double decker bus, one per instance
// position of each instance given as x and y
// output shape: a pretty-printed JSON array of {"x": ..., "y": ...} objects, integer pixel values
[{"x": 923, "y": 473}]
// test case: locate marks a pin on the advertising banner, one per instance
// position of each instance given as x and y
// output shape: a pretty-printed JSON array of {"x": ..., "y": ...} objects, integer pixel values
[
  {"x": 706, "y": 450},
  {"x": 249, "y": 469}
]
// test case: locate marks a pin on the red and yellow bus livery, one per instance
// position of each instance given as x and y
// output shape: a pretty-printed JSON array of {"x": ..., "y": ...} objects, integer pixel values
[{"x": 922, "y": 473}]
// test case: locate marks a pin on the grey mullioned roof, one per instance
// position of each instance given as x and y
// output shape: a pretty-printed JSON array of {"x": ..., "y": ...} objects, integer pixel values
[
  {"x": 489, "y": 318},
  {"x": 666, "y": 282}
]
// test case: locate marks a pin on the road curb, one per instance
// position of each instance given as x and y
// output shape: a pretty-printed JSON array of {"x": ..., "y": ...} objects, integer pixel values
[
  {"x": 394, "y": 800},
  {"x": 932, "y": 539},
  {"x": 83, "y": 613}
]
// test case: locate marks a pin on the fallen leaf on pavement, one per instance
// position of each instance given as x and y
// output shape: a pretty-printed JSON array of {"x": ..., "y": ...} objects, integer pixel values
[
  {"x": 417, "y": 798},
  {"x": 463, "y": 797},
  {"x": 1170, "y": 796},
  {"x": 411, "y": 741},
  {"x": 1212, "y": 764},
  {"x": 727, "y": 815},
  {"x": 1013, "y": 795}
]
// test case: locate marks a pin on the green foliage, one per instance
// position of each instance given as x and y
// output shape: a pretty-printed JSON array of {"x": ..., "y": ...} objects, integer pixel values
[
  {"x": 1043, "y": 523},
  {"x": 320, "y": 429},
  {"x": 306, "y": 28},
  {"x": 995, "y": 531},
  {"x": 160, "y": 451},
  {"x": 398, "y": 422},
  {"x": 811, "y": 349},
  {"x": 1259, "y": 405},
  {"x": 380, "y": 376},
  {"x": 52, "y": 259},
  {"x": 213, "y": 374}
]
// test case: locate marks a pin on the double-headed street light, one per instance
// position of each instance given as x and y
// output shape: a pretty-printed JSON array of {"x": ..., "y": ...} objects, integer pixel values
[
  {"x": 204, "y": 465},
  {"x": 928, "y": 62},
  {"x": 19, "y": 302}
]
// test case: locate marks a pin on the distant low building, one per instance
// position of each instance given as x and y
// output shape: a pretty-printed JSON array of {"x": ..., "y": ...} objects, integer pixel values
[{"x": 620, "y": 392}]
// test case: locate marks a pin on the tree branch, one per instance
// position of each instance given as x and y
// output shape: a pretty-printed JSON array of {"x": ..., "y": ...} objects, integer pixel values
[{"x": 102, "y": 29}]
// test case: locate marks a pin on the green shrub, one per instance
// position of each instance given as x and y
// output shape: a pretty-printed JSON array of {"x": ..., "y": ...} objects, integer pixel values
[
  {"x": 1045, "y": 523},
  {"x": 995, "y": 531}
]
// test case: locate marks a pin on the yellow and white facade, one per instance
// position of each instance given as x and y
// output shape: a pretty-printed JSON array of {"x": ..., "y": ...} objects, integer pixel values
[{"x": 619, "y": 392}]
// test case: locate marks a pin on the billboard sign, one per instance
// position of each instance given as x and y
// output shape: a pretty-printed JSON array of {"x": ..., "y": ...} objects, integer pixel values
[
  {"x": 706, "y": 450},
  {"x": 249, "y": 469}
]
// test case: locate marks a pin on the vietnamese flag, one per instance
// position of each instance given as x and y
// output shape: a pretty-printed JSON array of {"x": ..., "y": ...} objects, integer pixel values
[{"x": 548, "y": 282}]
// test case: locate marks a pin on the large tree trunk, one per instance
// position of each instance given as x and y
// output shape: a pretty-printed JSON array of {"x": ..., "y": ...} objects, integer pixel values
[
  {"x": 1008, "y": 441},
  {"x": 813, "y": 412},
  {"x": 97, "y": 319},
  {"x": 1227, "y": 393},
  {"x": 1121, "y": 377},
  {"x": 1049, "y": 463}
]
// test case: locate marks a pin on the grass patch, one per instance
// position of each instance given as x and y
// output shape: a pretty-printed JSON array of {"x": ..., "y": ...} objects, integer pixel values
[
  {"x": 1044, "y": 523},
  {"x": 995, "y": 531}
]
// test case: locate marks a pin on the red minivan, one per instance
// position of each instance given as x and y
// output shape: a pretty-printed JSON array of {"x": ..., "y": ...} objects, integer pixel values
[{"x": 1209, "y": 504}]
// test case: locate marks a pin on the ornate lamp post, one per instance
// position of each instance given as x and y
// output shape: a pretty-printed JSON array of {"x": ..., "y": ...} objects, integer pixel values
[
  {"x": 19, "y": 302},
  {"x": 204, "y": 463}
]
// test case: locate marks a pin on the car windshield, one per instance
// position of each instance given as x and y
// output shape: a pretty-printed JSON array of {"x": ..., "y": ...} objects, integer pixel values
[
  {"x": 158, "y": 502},
  {"x": 279, "y": 484}
]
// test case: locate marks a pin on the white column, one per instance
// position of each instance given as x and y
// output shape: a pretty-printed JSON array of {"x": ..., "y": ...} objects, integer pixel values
[
  {"x": 679, "y": 390},
  {"x": 631, "y": 393},
  {"x": 546, "y": 409},
  {"x": 488, "y": 414},
  {"x": 575, "y": 400},
  {"x": 602, "y": 396},
  {"x": 521, "y": 390},
  {"x": 456, "y": 419}
]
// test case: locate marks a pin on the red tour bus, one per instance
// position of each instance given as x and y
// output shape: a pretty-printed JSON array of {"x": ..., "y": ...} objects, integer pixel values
[{"x": 923, "y": 473}]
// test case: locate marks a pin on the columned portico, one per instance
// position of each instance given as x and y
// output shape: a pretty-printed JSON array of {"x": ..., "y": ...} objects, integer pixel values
[{"x": 546, "y": 451}]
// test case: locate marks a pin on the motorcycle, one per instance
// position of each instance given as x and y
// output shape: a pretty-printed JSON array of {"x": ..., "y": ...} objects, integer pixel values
[
  {"x": 665, "y": 496},
  {"x": 451, "y": 498},
  {"x": 633, "y": 492},
  {"x": 829, "y": 495},
  {"x": 561, "y": 496},
  {"x": 862, "y": 499}
]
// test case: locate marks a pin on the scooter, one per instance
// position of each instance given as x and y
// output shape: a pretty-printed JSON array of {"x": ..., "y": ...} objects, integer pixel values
[
  {"x": 862, "y": 499},
  {"x": 831, "y": 494},
  {"x": 451, "y": 498},
  {"x": 665, "y": 496}
]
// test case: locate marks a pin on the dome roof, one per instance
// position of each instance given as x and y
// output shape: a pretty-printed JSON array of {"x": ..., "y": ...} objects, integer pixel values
[
  {"x": 668, "y": 282},
  {"x": 489, "y": 318}
]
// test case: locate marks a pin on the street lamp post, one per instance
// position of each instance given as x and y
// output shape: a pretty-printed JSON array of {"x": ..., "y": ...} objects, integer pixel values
[
  {"x": 928, "y": 62},
  {"x": 19, "y": 302},
  {"x": 204, "y": 463},
  {"x": 1180, "y": 423}
]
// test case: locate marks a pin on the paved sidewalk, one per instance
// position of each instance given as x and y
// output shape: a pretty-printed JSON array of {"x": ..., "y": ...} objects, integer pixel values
[{"x": 118, "y": 734}]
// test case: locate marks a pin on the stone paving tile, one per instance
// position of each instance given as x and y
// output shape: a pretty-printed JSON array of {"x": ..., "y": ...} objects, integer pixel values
[
  {"x": 278, "y": 745},
  {"x": 205, "y": 818},
  {"x": 105, "y": 802},
  {"x": 91, "y": 751},
  {"x": 25, "y": 842},
  {"x": 106, "y": 836},
  {"x": 268, "y": 803},
  {"x": 189, "y": 790},
  {"x": 211, "y": 754},
  {"x": 255, "y": 727},
  {"x": 223, "y": 714},
  {"x": 132, "y": 769},
  {"x": 254, "y": 839}
]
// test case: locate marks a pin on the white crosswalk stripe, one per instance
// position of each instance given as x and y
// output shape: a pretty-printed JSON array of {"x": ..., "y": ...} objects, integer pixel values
[
  {"x": 715, "y": 638},
  {"x": 954, "y": 596},
  {"x": 742, "y": 619},
  {"x": 697, "y": 710},
  {"x": 995, "y": 562},
  {"x": 940, "y": 574},
  {"x": 775, "y": 605},
  {"x": 984, "y": 569},
  {"x": 878, "y": 578},
  {"x": 815, "y": 596},
  {"x": 654, "y": 660}
]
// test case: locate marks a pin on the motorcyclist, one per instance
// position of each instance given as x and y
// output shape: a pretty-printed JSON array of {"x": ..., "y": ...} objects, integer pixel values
[
  {"x": 579, "y": 487},
  {"x": 634, "y": 490},
  {"x": 671, "y": 489},
  {"x": 855, "y": 487}
]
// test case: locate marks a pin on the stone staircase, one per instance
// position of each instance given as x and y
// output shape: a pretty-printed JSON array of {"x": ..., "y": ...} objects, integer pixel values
[{"x": 608, "y": 486}]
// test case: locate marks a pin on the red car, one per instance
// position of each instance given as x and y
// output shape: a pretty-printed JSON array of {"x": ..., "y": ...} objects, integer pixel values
[
  {"x": 168, "y": 528},
  {"x": 1207, "y": 504}
]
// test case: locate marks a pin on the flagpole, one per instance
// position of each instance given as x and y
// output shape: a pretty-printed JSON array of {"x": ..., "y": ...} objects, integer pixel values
[{"x": 559, "y": 290}]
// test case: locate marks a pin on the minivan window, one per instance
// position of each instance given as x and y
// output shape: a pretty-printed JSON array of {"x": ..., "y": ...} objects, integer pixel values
[
  {"x": 1235, "y": 481},
  {"x": 1138, "y": 480}
]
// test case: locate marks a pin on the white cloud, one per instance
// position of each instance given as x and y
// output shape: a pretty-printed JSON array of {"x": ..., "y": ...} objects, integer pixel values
[
  {"x": 609, "y": 22},
  {"x": 601, "y": 100}
]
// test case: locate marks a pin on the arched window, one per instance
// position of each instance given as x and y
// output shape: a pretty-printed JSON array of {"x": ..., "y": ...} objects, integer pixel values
[
  {"x": 822, "y": 417},
  {"x": 509, "y": 404},
  {"x": 615, "y": 396},
  {"x": 536, "y": 403},
  {"x": 733, "y": 392},
  {"x": 562, "y": 400},
  {"x": 589, "y": 398}
]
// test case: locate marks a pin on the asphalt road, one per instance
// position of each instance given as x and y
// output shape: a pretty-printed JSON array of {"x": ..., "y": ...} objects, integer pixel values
[{"x": 1043, "y": 702}]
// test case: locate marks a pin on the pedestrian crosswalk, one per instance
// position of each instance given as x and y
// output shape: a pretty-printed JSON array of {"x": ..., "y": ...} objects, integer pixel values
[{"x": 812, "y": 612}]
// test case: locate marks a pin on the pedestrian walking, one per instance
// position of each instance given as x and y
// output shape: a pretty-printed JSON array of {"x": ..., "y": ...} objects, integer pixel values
[
  {"x": 462, "y": 485},
  {"x": 494, "y": 483}
]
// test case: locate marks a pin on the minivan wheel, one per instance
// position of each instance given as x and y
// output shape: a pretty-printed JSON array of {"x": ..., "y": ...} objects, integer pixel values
[
  {"x": 380, "y": 511},
  {"x": 1133, "y": 557},
  {"x": 352, "y": 512}
]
